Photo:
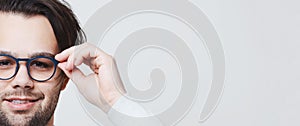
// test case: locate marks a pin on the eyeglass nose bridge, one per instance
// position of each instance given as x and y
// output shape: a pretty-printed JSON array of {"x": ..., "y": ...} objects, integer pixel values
[
  {"x": 24, "y": 60},
  {"x": 18, "y": 60}
]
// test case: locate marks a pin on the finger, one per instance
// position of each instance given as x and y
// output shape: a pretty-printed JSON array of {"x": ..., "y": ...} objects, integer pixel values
[
  {"x": 85, "y": 84},
  {"x": 87, "y": 54},
  {"x": 70, "y": 62},
  {"x": 67, "y": 55},
  {"x": 76, "y": 75},
  {"x": 63, "y": 56},
  {"x": 84, "y": 55},
  {"x": 62, "y": 66}
]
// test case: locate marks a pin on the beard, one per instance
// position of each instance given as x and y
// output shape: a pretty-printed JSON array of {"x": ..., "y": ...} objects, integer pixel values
[{"x": 40, "y": 116}]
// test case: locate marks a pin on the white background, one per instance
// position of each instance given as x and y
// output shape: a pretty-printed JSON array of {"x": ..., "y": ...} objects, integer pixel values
[{"x": 261, "y": 43}]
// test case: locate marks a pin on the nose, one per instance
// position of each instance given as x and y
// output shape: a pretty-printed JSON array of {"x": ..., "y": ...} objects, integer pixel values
[{"x": 22, "y": 79}]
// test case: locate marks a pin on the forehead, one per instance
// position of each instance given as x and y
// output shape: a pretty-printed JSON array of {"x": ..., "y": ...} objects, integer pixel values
[{"x": 26, "y": 35}]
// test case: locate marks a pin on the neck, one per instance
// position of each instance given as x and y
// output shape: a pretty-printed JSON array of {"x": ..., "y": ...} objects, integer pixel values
[{"x": 51, "y": 121}]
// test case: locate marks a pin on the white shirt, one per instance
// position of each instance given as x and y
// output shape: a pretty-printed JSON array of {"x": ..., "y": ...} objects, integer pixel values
[{"x": 128, "y": 113}]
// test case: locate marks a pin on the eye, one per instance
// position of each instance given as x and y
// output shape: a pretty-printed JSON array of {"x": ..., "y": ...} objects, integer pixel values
[
  {"x": 39, "y": 64},
  {"x": 42, "y": 64},
  {"x": 6, "y": 62}
]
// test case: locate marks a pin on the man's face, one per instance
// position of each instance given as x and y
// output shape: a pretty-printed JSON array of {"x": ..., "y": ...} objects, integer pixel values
[{"x": 24, "y": 101}]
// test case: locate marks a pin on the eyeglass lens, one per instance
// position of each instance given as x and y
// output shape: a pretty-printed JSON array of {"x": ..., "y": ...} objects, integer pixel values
[{"x": 38, "y": 68}]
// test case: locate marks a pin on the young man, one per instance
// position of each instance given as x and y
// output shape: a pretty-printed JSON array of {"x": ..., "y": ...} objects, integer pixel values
[{"x": 37, "y": 58}]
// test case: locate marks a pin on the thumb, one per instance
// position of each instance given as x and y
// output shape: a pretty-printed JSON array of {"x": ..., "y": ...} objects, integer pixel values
[
  {"x": 76, "y": 75},
  {"x": 87, "y": 86}
]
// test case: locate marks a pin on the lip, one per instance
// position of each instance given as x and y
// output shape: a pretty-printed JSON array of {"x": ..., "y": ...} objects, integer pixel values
[{"x": 20, "y": 103}]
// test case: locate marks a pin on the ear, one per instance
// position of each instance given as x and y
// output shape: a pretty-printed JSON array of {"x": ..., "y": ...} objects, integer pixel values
[{"x": 64, "y": 83}]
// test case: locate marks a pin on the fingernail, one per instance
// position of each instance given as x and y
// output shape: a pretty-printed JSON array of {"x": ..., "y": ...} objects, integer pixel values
[
  {"x": 57, "y": 56},
  {"x": 76, "y": 63}
]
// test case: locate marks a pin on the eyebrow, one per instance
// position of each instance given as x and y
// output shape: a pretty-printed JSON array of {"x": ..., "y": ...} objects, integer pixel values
[
  {"x": 42, "y": 54},
  {"x": 7, "y": 53},
  {"x": 31, "y": 55}
]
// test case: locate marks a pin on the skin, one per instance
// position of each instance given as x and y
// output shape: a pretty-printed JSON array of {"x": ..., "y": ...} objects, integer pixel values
[
  {"x": 24, "y": 37},
  {"x": 15, "y": 29}
]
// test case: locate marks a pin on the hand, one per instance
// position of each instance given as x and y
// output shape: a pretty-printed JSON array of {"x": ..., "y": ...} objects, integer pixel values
[{"x": 103, "y": 87}]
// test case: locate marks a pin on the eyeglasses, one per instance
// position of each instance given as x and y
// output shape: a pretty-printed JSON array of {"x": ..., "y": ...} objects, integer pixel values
[{"x": 40, "y": 68}]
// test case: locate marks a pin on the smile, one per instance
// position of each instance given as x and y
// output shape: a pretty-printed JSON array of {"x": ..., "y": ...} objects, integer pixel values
[{"x": 21, "y": 103}]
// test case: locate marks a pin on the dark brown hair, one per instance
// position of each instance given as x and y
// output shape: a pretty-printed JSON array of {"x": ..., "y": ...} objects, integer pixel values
[{"x": 63, "y": 21}]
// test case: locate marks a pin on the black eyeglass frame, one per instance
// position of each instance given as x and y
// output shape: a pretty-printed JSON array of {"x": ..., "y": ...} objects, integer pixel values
[{"x": 28, "y": 61}]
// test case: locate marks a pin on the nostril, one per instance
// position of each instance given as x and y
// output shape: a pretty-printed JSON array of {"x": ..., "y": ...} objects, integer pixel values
[
  {"x": 27, "y": 85},
  {"x": 22, "y": 79},
  {"x": 16, "y": 86}
]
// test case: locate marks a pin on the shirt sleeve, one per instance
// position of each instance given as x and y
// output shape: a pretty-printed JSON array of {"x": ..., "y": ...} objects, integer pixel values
[{"x": 128, "y": 113}]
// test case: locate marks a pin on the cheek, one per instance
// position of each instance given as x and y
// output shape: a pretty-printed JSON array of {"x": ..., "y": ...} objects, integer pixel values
[
  {"x": 50, "y": 92},
  {"x": 52, "y": 85},
  {"x": 4, "y": 86},
  {"x": 49, "y": 88}
]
